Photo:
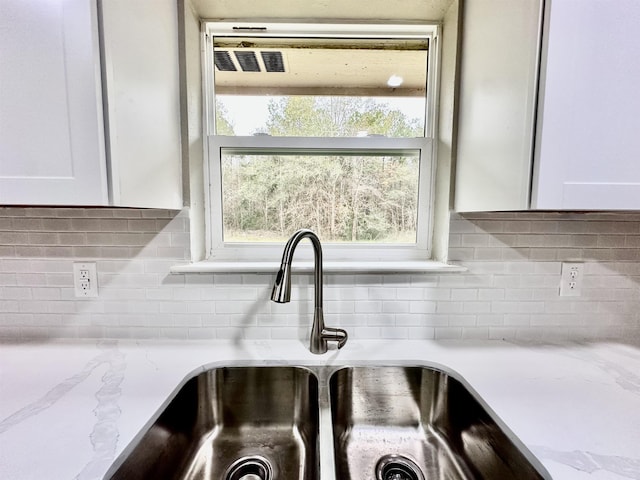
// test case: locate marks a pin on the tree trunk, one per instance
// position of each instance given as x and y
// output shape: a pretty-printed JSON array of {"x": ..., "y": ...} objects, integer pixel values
[
  {"x": 354, "y": 214},
  {"x": 332, "y": 220},
  {"x": 281, "y": 216}
]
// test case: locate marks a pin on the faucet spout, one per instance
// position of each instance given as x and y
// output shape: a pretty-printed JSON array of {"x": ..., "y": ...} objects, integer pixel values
[{"x": 281, "y": 293}]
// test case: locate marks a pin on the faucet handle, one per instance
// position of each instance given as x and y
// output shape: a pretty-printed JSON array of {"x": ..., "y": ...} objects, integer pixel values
[{"x": 339, "y": 335}]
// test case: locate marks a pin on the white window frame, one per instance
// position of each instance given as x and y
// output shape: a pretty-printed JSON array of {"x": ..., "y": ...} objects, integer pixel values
[{"x": 219, "y": 251}]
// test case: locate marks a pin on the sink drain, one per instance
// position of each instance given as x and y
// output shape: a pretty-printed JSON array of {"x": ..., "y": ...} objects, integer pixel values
[
  {"x": 249, "y": 468},
  {"x": 397, "y": 467}
]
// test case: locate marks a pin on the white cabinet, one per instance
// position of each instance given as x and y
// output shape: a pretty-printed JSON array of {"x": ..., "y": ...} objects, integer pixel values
[
  {"x": 67, "y": 137},
  {"x": 586, "y": 142},
  {"x": 51, "y": 127},
  {"x": 588, "y": 136},
  {"x": 499, "y": 64},
  {"x": 142, "y": 85}
]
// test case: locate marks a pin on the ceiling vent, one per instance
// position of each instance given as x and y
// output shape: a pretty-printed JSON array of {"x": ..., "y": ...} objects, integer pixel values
[
  {"x": 273, "y": 61},
  {"x": 248, "y": 61},
  {"x": 223, "y": 61}
]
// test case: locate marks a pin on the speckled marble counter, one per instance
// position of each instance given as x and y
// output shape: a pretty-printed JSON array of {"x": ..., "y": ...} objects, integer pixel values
[{"x": 67, "y": 409}]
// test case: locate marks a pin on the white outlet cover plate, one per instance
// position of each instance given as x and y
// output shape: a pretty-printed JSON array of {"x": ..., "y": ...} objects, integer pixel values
[
  {"x": 82, "y": 290},
  {"x": 571, "y": 279}
]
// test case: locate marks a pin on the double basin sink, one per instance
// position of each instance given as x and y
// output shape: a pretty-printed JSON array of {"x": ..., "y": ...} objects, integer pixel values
[{"x": 347, "y": 423}]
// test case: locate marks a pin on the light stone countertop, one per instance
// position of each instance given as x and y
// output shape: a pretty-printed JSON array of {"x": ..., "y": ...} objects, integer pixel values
[{"x": 68, "y": 408}]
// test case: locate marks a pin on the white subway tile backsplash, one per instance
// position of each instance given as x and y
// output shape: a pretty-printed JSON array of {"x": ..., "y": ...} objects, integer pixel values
[
  {"x": 425, "y": 280},
  {"x": 421, "y": 333},
  {"x": 483, "y": 254},
  {"x": 395, "y": 306},
  {"x": 382, "y": 293},
  {"x": 9, "y": 306},
  {"x": 422, "y": 307},
  {"x": 517, "y": 226},
  {"x": 204, "y": 333},
  {"x": 476, "y": 307},
  {"x": 521, "y": 268},
  {"x": 365, "y": 332},
  {"x": 217, "y": 321},
  {"x": 491, "y": 294},
  {"x": 477, "y": 281},
  {"x": 515, "y": 319},
  {"x": 510, "y": 290},
  {"x": 448, "y": 333},
  {"x": 520, "y": 294},
  {"x": 381, "y": 320},
  {"x": 436, "y": 294},
  {"x": 459, "y": 225},
  {"x": 394, "y": 333},
  {"x": 462, "y": 320},
  {"x": 464, "y": 294},
  {"x": 474, "y": 240},
  {"x": 174, "y": 333},
  {"x": 368, "y": 307},
  {"x": 448, "y": 307},
  {"x": 502, "y": 240},
  {"x": 16, "y": 293},
  {"x": 335, "y": 307}
]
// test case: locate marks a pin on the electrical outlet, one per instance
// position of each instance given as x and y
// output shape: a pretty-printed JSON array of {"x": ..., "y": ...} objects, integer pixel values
[
  {"x": 85, "y": 279},
  {"x": 571, "y": 279}
]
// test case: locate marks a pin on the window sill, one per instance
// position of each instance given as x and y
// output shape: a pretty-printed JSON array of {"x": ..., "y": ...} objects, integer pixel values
[{"x": 417, "y": 266}]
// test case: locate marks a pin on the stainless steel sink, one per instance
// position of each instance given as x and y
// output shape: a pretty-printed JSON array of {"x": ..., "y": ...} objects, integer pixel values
[
  {"x": 420, "y": 423},
  {"x": 238, "y": 423},
  {"x": 360, "y": 422}
]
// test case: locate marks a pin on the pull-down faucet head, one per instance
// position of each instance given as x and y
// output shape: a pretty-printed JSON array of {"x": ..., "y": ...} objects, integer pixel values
[{"x": 282, "y": 287}]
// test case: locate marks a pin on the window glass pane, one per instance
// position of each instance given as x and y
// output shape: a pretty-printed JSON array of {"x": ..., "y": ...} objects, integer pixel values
[
  {"x": 309, "y": 116},
  {"x": 342, "y": 196},
  {"x": 328, "y": 87}
]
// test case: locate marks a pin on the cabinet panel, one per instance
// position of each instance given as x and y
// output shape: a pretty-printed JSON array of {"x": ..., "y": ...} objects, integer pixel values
[
  {"x": 51, "y": 129},
  {"x": 500, "y": 49},
  {"x": 588, "y": 141},
  {"x": 143, "y": 102}
]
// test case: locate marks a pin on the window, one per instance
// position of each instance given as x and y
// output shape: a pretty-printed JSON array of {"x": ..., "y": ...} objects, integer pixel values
[{"x": 327, "y": 127}]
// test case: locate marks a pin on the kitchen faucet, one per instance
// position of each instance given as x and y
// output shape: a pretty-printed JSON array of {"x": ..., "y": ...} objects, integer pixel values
[{"x": 320, "y": 335}]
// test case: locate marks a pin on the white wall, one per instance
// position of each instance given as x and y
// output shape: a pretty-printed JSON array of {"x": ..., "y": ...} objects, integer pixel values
[{"x": 510, "y": 291}]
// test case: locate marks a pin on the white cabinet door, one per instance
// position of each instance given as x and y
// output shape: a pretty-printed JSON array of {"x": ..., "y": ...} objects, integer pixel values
[
  {"x": 51, "y": 127},
  {"x": 588, "y": 134},
  {"x": 142, "y": 75},
  {"x": 498, "y": 82}
]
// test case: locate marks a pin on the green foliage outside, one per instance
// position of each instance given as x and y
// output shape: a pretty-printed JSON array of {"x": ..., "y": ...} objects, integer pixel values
[
  {"x": 223, "y": 126},
  {"x": 343, "y": 198}
]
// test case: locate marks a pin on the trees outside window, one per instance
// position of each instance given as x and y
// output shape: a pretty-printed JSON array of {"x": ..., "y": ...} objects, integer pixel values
[{"x": 344, "y": 197}]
